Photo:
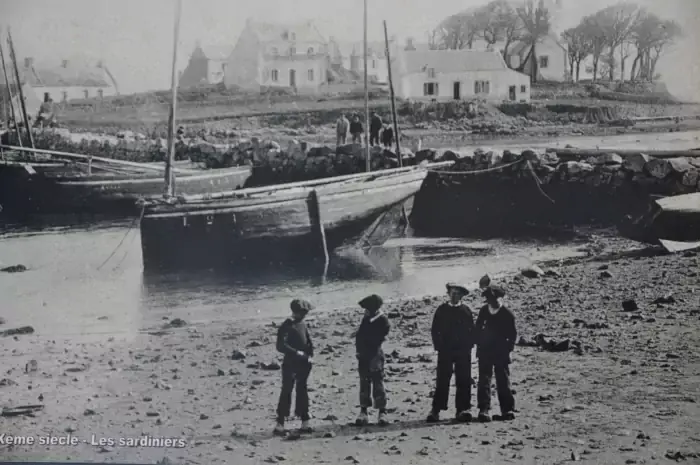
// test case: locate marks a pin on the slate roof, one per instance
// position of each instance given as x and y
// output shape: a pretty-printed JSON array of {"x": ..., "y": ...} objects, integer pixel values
[
  {"x": 70, "y": 76},
  {"x": 452, "y": 61},
  {"x": 347, "y": 49},
  {"x": 303, "y": 32}
]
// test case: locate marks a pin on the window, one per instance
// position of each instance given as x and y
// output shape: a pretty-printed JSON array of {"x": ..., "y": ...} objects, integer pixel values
[
  {"x": 274, "y": 51},
  {"x": 275, "y": 75},
  {"x": 431, "y": 73},
  {"x": 544, "y": 61},
  {"x": 374, "y": 64},
  {"x": 292, "y": 51},
  {"x": 523, "y": 89},
  {"x": 86, "y": 93},
  {"x": 430, "y": 88},
  {"x": 65, "y": 96},
  {"x": 482, "y": 87},
  {"x": 310, "y": 51},
  {"x": 100, "y": 93},
  {"x": 310, "y": 74}
]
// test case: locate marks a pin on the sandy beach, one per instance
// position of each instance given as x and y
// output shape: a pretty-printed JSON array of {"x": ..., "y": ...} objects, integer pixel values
[{"x": 626, "y": 391}]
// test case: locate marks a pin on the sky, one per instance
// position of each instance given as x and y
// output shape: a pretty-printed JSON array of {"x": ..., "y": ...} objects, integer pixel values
[{"x": 135, "y": 37}]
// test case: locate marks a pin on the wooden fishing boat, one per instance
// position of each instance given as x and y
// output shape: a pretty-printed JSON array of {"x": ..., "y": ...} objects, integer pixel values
[
  {"x": 55, "y": 188},
  {"x": 272, "y": 225},
  {"x": 675, "y": 218}
]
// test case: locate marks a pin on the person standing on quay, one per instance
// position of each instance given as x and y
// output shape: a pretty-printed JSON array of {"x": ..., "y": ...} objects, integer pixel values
[
  {"x": 452, "y": 333},
  {"x": 496, "y": 334},
  {"x": 375, "y": 126},
  {"x": 388, "y": 137},
  {"x": 356, "y": 130},
  {"x": 294, "y": 341},
  {"x": 341, "y": 128},
  {"x": 370, "y": 357}
]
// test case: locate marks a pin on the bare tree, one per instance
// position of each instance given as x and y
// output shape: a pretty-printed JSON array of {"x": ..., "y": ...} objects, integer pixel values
[
  {"x": 434, "y": 39},
  {"x": 651, "y": 35},
  {"x": 579, "y": 48},
  {"x": 458, "y": 31},
  {"x": 536, "y": 23},
  {"x": 592, "y": 27},
  {"x": 616, "y": 23}
]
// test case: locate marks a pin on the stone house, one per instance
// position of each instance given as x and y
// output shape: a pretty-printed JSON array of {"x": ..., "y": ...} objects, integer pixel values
[
  {"x": 293, "y": 56},
  {"x": 444, "y": 75},
  {"x": 207, "y": 65},
  {"x": 552, "y": 59},
  {"x": 349, "y": 56}
]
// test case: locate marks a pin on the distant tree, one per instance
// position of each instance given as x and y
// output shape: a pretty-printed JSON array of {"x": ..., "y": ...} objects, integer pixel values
[
  {"x": 593, "y": 29},
  {"x": 650, "y": 36},
  {"x": 616, "y": 23},
  {"x": 498, "y": 21},
  {"x": 578, "y": 47},
  {"x": 457, "y": 32},
  {"x": 536, "y": 24}
]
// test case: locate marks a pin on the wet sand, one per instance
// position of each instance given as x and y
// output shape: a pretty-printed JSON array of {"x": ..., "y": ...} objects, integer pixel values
[{"x": 628, "y": 396}]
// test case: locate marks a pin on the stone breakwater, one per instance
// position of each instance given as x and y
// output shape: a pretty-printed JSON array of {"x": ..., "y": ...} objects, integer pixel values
[
  {"x": 532, "y": 188},
  {"x": 272, "y": 162}
]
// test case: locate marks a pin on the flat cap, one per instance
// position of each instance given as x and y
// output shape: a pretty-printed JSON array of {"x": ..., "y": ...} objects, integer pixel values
[
  {"x": 459, "y": 287},
  {"x": 372, "y": 303},
  {"x": 301, "y": 306},
  {"x": 494, "y": 291}
]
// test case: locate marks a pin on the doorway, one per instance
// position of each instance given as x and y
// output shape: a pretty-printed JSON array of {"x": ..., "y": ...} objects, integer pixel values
[
  {"x": 457, "y": 91},
  {"x": 292, "y": 78},
  {"x": 511, "y": 94}
]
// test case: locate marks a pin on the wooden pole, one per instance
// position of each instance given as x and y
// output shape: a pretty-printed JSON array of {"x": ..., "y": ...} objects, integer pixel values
[
  {"x": 8, "y": 84},
  {"x": 169, "y": 175},
  {"x": 393, "y": 100},
  {"x": 317, "y": 230},
  {"x": 367, "y": 122},
  {"x": 23, "y": 104}
]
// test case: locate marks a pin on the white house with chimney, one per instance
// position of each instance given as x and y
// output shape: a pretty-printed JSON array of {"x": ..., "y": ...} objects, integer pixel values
[{"x": 442, "y": 75}]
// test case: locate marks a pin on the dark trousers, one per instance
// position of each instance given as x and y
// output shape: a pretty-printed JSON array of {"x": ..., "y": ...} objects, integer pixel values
[
  {"x": 459, "y": 363},
  {"x": 357, "y": 138},
  {"x": 372, "y": 383},
  {"x": 294, "y": 374},
  {"x": 374, "y": 138},
  {"x": 487, "y": 368}
]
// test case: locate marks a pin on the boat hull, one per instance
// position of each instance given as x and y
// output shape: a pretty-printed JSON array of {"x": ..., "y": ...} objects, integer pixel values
[
  {"x": 269, "y": 229},
  {"x": 27, "y": 194}
]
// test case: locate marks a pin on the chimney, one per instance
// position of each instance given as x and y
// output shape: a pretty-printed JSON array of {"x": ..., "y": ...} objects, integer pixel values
[
  {"x": 409, "y": 44},
  {"x": 64, "y": 64},
  {"x": 28, "y": 62}
]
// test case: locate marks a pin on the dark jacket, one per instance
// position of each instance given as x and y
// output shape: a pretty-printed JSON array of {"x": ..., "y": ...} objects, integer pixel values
[
  {"x": 375, "y": 124},
  {"x": 293, "y": 336},
  {"x": 371, "y": 334},
  {"x": 356, "y": 127},
  {"x": 453, "y": 328},
  {"x": 496, "y": 334},
  {"x": 387, "y": 136}
]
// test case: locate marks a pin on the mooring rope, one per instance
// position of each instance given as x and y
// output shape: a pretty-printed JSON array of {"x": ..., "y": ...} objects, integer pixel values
[
  {"x": 538, "y": 183},
  {"x": 133, "y": 223},
  {"x": 485, "y": 170}
]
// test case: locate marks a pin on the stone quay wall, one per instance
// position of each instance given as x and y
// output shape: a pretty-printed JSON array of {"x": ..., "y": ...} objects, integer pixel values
[{"x": 509, "y": 193}]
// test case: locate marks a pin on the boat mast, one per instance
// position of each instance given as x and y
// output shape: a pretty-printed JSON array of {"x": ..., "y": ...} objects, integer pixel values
[
  {"x": 393, "y": 99},
  {"x": 367, "y": 122},
  {"x": 22, "y": 103},
  {"x": 8, "y": 85},
  {"x": 169, "y": 161}
]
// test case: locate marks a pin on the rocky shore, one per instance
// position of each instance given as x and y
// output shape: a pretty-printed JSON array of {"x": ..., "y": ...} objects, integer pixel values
[{"x": 613, "y": 378}]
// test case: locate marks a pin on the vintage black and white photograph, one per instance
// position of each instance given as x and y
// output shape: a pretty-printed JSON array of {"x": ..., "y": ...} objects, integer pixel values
[{"x": 350, "y": 232}]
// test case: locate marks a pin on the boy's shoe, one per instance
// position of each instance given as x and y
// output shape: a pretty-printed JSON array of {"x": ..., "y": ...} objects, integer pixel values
[
  {"x": 464, "y": 416},
  {"x": 305, "y": 427},
  {"x": 508, "y": 416},
  {"x": 434, "y": 417},
  {"x": 381, "y": 419},
  {"x": 279, "y": 429},
  {"x": 362, "y": 419},
  {"x": 484, "y": 416}
]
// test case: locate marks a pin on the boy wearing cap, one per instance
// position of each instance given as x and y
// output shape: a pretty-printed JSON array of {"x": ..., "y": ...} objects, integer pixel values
[
  {"x": 368, "y": 343},
  {"x": 294, "y": 341},
  {"x": 452, "y": 334},
  {"x": 496, "y": 332}
]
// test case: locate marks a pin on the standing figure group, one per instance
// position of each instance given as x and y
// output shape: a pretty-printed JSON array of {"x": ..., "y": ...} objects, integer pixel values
[
  {"x": 454, "y": 334},
  {"x": 377, "y": 131}
]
